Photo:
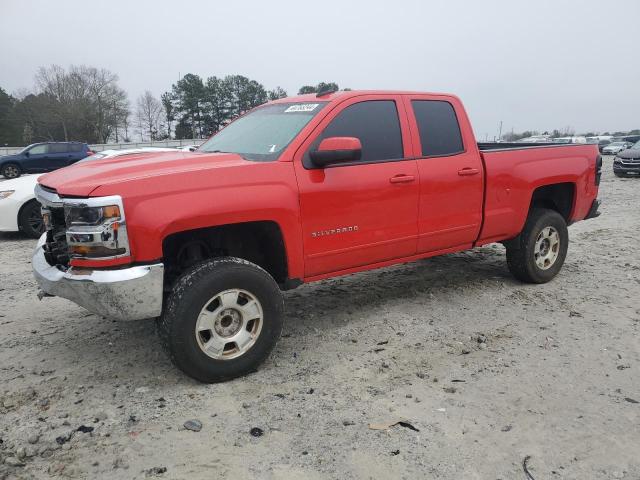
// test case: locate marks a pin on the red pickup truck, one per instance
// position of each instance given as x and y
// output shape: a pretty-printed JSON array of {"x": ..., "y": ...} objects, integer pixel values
[{"x": 298, "y": 190}]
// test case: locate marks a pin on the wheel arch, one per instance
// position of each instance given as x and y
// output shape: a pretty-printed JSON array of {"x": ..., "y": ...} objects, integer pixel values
[
  {"x": 559, "y": 197},
  {"x": 556, "y": 196},
  {"x": 260, "y": 242}
]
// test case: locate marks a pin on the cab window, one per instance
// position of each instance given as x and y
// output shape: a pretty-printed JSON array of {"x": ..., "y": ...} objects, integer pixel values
[
  {"x": 438, "y": 128},
  {"x": 375, "y": 123}
]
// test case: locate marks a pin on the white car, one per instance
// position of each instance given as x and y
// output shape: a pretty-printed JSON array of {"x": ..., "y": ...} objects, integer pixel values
[
  {"x": 19, "y": 209},
  {"x": 615, "y": 147},
  {"x": 188, "y": 148}
]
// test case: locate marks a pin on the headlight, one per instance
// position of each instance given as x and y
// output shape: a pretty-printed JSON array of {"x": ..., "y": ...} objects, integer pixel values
[
  {"x": 6, "y": 194},
  {"x": 96, "y": 228},
  {"x": 80, "y": 215}
]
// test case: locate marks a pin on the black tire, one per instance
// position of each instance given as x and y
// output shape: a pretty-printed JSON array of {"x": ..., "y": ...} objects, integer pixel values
[
  {"x": 30, "y": 219},
  {"x": 193, "y": 291},
  {"x": 521, "y": 252},
  {"x": 11, "y": 170}
]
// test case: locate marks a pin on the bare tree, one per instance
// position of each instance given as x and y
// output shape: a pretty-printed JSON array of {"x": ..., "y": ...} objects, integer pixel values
[
  {"x": 107, "y": 98},
  {"x": 124, "y": 118},
  {"x": 167, "y": 104},
  {"x": 86, "y": 101},
  {"x": 53, "y": 81},
  {"x": 148, "y": 112}
]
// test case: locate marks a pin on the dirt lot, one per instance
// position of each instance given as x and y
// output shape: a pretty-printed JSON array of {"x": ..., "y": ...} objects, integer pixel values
[{"x": 488, "y": 371}]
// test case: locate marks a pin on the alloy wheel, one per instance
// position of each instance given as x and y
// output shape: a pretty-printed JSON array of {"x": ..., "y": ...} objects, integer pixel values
[
  {"x": 547, "y": 248},
  {"x": 229, "y": 324}
]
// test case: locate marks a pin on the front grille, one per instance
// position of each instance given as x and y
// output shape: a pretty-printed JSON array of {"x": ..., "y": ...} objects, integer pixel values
[
  {"x": 56, "y": 251},
  {"x": 55, "y": 248}
]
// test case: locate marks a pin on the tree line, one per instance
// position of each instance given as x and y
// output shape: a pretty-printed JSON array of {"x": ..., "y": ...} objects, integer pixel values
[{"x": 87, "y": 104}]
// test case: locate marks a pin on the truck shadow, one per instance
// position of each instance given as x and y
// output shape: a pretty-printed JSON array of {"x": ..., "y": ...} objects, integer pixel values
[
  {"x": 447, "y": 275},
  {"x": 133, "y": 351},
  {"x": 14, "y": 237}
]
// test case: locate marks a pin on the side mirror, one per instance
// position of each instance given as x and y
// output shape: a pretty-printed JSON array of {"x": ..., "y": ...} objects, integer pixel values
[
  {"x": 26, "y": 154},
  {"x": 336, "y": 150}
]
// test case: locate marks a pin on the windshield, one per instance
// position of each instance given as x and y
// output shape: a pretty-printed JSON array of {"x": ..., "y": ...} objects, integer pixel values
[
  {"x": 636, "y": 146},
  {"x": 264, "y": 133},
  {"x": 617, "y": 144}
]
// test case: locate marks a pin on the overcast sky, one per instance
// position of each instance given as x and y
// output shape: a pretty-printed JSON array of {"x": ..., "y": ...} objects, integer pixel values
[{"x": 534, "y": 64}]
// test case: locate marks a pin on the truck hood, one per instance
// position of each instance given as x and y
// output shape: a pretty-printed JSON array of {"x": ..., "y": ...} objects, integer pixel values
[{"x": 83, "y": 178}]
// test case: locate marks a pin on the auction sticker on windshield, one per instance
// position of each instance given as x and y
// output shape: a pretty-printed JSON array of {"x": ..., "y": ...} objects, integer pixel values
[{"x": 302, "y": 107}]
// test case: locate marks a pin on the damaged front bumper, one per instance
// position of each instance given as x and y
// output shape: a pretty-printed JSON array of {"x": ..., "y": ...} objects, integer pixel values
[{"x": 132, "y": 293}]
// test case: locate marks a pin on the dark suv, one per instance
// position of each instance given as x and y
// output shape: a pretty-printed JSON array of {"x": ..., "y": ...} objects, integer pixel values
[
  {"x": 627, "y": 162},
  {"x": 43, "y": 157}
]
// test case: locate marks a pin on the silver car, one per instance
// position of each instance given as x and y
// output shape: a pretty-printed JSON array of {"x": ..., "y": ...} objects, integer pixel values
[{"x": 616, "y": 147}]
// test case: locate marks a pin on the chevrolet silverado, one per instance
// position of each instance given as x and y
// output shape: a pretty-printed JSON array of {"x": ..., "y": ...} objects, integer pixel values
[{"x": 297, "y": 190}]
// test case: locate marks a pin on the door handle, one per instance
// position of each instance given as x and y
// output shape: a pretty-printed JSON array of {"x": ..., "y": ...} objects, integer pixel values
[
  {"x": 468, "y": 171},
  {"x": 402, "y": 179}
]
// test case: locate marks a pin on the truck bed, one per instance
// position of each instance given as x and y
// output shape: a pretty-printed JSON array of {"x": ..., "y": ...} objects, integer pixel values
[{"x": 513, "y": 171}]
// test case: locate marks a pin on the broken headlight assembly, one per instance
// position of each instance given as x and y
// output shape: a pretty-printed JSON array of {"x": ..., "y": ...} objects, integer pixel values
[{"x": 96, "y": 228}]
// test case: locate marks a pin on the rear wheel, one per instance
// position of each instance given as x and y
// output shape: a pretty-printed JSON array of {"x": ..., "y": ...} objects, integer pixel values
[
  {"x": 11, "y": 170},
  {"x": 30, "y": 219},
  {"x": 539, "y": 253},
  {"x": 222, "y": 319}
]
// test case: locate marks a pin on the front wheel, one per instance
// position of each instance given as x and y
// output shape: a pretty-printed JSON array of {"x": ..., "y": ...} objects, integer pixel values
[
  {"x": 222, "y": 319},
  {"x": 11, "y": 170},
  {"x": 539, "y": 253},
  {"x": 30, "y": 219}
]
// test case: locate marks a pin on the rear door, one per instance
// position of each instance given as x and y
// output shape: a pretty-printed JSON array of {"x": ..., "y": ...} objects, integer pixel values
[
  {"x": 363, "y": 212},
  {"x": 451, "y": 173},
  {"x": 76, "y": 152},
  {"x": 59, "y": 155}
]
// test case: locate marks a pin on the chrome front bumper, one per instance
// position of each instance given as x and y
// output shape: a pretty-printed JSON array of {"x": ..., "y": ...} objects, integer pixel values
[{"x": 131, "y": 293}]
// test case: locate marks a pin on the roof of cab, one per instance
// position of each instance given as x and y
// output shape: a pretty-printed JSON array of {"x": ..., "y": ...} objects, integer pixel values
[{"x": 343, "y": 94}]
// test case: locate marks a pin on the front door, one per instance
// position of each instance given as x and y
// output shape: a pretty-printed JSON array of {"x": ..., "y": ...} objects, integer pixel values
[
  {"x": 366, "y": 211},
  {"x": 37, "y": 158}
]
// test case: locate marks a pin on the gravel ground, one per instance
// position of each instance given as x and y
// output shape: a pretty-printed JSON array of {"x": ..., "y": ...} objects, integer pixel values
[{"x": 486, "y": 370}]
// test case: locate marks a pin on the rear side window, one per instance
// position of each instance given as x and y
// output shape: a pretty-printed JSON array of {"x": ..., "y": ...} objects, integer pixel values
[
  {"x": 58, "y": 148},
  {"x": 377, "y": 126},
  {"x": 76, "y": 147},
  {"x": 438, "y": 127}
]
